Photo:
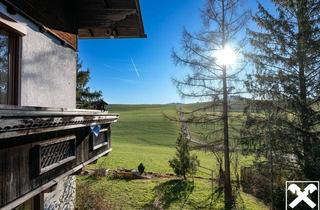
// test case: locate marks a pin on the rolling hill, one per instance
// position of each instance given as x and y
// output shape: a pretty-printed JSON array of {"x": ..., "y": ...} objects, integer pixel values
[{"x": 144, "y": 135}]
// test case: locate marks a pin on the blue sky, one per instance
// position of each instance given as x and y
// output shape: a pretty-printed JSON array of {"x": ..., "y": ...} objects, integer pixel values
[{"x": 139, "y": 71}]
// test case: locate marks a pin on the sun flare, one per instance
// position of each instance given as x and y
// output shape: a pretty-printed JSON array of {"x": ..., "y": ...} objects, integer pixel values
[{"x": 225, "y": 56}]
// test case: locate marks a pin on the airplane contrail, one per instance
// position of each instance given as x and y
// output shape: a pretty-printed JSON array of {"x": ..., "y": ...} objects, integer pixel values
[{"x": 135, "y": 68}]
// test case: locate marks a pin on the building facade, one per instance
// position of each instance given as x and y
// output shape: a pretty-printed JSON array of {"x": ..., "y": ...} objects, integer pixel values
[{"x": 44, "y": 139}]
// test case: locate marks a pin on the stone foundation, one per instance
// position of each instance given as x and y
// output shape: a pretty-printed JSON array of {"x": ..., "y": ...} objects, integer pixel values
[{"x": 63, "y": 197}]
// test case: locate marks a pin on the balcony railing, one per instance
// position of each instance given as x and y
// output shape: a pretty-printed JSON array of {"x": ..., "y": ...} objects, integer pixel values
[
  {"x": 40, "y": 146},
  {"x": 19, "y": 121}
]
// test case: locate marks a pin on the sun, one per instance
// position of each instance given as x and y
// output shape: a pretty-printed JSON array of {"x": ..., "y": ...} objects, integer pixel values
[{"x": 225, "y": 56}]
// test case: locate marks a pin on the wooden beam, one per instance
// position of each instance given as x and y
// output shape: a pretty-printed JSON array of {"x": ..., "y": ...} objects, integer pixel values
[
  {"x": 114, "y": 4},
  {"x": 44, "y": 187},
  {"x": 19, "y": 111},
  {"x": 103, "y": 17},
  {"x": 140, "y": 23},
  {"x": 13, "y": 25},
  {"x": 26, "y": 121},
  {"x": 91, "y": 32}
]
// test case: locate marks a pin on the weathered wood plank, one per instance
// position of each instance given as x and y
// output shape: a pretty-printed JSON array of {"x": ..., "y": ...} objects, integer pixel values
[
  {"x": 51, "y": 183},
  {"x": 19, "y": 161},
  {"x": 26, "y": 121}
]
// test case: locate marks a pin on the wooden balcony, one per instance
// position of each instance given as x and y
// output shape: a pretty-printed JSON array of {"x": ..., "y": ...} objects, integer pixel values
[{"x": 40, "y": 146}]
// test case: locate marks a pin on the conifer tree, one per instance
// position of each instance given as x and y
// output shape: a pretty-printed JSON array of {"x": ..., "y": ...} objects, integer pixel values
[
  {"x": 184, "y": 163},
  {"x": 287, "y": 73},
  {"x": 83, "y": 93}
]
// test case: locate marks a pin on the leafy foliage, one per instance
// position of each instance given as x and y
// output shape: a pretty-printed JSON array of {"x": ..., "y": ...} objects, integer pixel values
[{"x": 183, "y": 163}]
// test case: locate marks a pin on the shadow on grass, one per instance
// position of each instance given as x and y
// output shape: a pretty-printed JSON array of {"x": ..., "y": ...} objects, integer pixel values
[
  {"x": 211, "y": 202},
  {"x": 169, "y": 192},
  {"x": 87, "y": 198}
]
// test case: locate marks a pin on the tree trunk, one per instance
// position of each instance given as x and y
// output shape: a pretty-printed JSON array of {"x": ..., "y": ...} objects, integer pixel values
[
  {"x": 227, "y": 181},
  {"x": 305, "y": 127}
]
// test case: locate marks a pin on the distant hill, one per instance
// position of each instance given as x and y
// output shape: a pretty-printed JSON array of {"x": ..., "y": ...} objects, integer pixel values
[{"x": 237, "y": 104}]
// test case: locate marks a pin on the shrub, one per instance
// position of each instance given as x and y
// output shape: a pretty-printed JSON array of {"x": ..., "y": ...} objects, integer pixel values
[
  {"x": 256, "y": 180},
  {"x": 183, "y": 164},
  {"x": 141, "y": 168}
]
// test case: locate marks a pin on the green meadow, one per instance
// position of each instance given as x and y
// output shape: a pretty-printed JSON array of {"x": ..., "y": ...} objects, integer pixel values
[{"x": 144, "y": 135}]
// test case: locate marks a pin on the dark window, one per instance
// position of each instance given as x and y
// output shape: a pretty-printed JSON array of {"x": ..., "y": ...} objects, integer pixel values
[
  {"x": 9, "y": 46},
  {"x": 103, "y": 139}
]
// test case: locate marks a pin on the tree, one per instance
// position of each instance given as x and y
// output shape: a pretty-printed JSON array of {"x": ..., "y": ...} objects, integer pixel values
[
  {"x": 183, "y": 163},
  {"x": 84, "y": 95},
  {"x": 211, "y": 78},
  {"x": 287, "y": 72},
  {"x": 260, "y": 137}
]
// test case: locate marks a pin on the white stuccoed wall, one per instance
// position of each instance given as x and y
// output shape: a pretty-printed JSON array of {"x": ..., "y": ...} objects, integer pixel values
[
  {"x": 48, "y": 79},
  {"x": 48, "y": 72},
  {"x": 48, "y": 69}
]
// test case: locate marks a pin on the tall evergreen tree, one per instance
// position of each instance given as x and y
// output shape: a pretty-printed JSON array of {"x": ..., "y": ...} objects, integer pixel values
[
  {"x": 287, "y": 60},
  {"x": 84, "y": 95},
  {"x": 210, "y": 79}
]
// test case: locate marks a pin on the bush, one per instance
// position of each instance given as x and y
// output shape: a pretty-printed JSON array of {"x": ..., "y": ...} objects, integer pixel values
[
  {"x": 141, "y": 168},
  {"x": 183, "y": 164},
  {"x": 256, "y": 180}
]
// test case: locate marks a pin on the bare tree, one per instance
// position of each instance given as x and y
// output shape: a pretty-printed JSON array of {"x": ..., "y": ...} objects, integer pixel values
[{"x": 212, "y": 79}]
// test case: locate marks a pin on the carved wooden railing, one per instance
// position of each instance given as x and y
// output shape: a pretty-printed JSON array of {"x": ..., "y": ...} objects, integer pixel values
[
  {"x": 19, "y": 121},
  {"x": 40, "y": 146}
]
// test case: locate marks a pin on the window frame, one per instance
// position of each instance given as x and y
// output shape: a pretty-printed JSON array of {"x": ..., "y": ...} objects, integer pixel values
[
  {"x": 14, "y": 64},
  {"x": 104, "y": 133},
  {"x": 14, "y": 60}
]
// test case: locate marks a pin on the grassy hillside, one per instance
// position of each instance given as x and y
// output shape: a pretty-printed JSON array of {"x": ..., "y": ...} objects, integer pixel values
[{"x": 144, "y": 135}]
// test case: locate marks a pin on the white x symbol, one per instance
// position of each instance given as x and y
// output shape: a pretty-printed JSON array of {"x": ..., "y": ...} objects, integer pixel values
[{"x": 302, "y": 196}]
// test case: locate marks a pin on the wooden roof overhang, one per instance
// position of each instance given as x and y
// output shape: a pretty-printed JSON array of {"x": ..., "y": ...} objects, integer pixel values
[
  {"x": 73, "y": 19},
  {"x": 110, "y": 19}
]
